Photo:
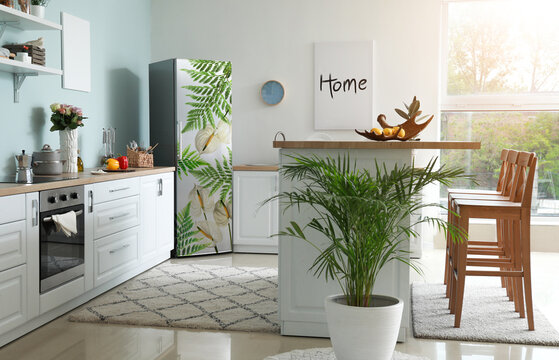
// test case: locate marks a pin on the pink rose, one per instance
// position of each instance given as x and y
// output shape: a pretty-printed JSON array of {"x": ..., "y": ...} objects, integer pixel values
[{"x": 62, "y": 110}]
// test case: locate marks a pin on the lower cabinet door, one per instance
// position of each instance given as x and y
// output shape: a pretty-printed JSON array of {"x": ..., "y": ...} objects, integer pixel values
[
  {"x": 115, "y": 254},
  {"x": 13, "y": 298}
]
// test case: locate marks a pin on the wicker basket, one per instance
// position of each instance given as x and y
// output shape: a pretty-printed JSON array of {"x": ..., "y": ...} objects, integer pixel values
[{"x": 139, "y": 159}]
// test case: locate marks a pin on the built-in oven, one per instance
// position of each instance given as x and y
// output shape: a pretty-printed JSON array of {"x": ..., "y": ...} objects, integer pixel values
[{"x": 61, "y": 256}]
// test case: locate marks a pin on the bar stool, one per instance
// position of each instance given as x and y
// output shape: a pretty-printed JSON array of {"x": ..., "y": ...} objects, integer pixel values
[
  {"x": 504, "y": 184},
  {"x": 516, "y": 219}
]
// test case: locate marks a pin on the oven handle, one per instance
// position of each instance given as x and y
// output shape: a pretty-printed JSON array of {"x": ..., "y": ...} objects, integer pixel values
[{"x": 49, "y": 219}]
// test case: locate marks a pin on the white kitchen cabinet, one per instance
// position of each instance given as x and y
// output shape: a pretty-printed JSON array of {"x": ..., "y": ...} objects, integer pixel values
[
  {"x": 129, "y": 228},
  {"x": 13, "y": 297},
  {"x": 114, "y": 216},
  {"x": 157, "y": 215},
  {"x": 254, "y": 223},
  {"x": 114, "y": 255}
]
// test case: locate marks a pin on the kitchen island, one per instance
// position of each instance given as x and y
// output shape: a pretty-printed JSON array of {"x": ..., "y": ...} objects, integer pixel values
[{"x": 301, "y": 295}]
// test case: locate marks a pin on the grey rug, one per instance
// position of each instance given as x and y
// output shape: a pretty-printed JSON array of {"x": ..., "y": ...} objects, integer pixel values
[
  {"x": 191, "y": 296},
  {"x": 328, "y": 354},
  {"x": 487, "y": 316}
]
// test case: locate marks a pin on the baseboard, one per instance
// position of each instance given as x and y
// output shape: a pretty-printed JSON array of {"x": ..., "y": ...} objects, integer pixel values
[
  {"x": 255, "y": 249},
  {"x": 36, "y": 322}
]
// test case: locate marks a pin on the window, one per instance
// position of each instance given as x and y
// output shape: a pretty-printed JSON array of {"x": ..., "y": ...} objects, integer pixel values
[{"x": 500, "y": 86}]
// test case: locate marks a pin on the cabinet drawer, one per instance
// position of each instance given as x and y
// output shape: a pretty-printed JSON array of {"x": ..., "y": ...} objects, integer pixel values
[
  {"x": 12, "y": 208},
  {"x": 115, "y": 254},
  {"x": 13, "y": 297},
  {"x": 12, "y": 245},
  {"x": 117, "y": 189},
  {"x": 114, "y": 216}
]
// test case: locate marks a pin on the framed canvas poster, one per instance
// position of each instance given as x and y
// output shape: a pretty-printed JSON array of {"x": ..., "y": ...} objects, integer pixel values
[{"x": 343, "y": 85}]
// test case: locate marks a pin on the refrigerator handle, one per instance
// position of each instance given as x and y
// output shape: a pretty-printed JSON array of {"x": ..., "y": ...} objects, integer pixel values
[{"x": 179, "y": 134}]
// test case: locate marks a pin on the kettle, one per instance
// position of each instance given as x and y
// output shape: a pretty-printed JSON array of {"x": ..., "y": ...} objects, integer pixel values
[{"x": 24, "y": 174}]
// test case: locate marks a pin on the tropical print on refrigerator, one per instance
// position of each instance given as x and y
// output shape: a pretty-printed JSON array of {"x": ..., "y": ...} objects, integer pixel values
[{"x": 204, "y": 165}]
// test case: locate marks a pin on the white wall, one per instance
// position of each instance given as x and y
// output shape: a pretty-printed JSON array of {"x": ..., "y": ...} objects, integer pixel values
[{"x": 274, "y": 40}]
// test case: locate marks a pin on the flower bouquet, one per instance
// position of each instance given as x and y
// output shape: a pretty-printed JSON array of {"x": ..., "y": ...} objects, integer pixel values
[{"x": 66, "y": 117}]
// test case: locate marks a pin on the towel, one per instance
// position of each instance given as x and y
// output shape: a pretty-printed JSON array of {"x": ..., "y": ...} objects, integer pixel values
[{"x": 66, "y": 222}]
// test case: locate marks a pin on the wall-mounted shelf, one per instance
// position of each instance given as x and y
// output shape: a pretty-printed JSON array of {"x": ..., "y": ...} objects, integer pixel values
[
  {"x": 23, "y": 21},
  {"x": 22, "y": 70}
]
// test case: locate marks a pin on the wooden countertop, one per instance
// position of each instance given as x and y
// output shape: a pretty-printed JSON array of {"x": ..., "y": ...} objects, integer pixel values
[
  {"x": 370, "y": 144},
  {"x": 255, "y": 168},
  {"x": 83, "y": 179}
]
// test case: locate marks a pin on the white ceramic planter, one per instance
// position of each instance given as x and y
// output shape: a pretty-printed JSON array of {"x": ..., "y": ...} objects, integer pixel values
[
  {"x": 38, "y": 10},
  {"x": 360, "y": 333},
  {"x": 69, "y": 150}
]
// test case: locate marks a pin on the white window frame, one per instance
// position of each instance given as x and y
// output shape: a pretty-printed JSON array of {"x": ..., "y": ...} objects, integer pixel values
[{"x": 485, "y": 103}]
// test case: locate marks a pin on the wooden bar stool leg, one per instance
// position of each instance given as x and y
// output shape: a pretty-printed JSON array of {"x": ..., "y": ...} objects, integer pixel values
[
  {"x": 500, "y": 232},
  {"x": 509, "y": 234},
  {"x": 517, "y": 261},
  {"x": 446, "y": 264},
  {"x": 525, "y": 248},
  {"x": 461, "y": 272}
]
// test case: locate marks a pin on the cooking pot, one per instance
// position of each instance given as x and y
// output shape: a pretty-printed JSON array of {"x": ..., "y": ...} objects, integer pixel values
[{"x": 47, "y": 161}]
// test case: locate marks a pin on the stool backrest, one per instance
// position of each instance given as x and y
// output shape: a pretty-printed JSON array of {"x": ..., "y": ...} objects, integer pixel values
[
  {"x": 504, "y": 163},
  {"x": 521, "y": 176},
  {"x": 508, "y": 178},
  {"x": 529, "y": 185}
]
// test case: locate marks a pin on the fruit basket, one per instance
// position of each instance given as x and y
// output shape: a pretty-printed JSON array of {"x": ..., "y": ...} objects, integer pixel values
[{"x": 402, "y": 132}]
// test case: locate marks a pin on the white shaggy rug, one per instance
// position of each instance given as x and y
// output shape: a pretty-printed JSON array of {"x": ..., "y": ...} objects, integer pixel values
[
  {"x": 328, "y": 354},
  {"x": 191, "y": 296},
  {"x": 487, "y": 316}
]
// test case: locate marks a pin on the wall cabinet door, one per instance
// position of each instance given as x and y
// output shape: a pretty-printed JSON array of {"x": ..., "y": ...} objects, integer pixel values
[
  {"x": 254, "y": 223},
  {"x": 157, "y": 213}
]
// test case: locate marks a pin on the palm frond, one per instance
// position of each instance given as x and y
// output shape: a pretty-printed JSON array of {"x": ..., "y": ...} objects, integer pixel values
[
  {"x": 187, "y": 242},
  {"x": 364, "y": 216},
  {"x": 211, "y": 98},
  {"x": 217, "y": 178},
  {"x": 188, "y": 161}
]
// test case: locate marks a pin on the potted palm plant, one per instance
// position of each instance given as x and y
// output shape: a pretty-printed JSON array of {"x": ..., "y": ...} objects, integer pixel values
[{"x": 366, "y": 219}]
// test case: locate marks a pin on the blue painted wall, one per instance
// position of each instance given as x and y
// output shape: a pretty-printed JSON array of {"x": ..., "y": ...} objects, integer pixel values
[{"x": 120, "y": 54}]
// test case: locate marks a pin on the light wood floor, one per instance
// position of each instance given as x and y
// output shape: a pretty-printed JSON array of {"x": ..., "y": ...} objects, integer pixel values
[{"x": 63, "y": 340}]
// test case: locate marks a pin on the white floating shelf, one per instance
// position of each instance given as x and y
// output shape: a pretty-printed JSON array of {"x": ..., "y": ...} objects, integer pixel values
[
  {"x": 19, "y": 67},
  {"x": 23, "y": 21}
]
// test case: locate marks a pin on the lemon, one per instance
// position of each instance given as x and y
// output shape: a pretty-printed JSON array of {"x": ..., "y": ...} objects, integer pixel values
[
  {"x": 387, "y": 131},
  {"x": 376, "y": 131},
  {"x": 402, "y": 133}
]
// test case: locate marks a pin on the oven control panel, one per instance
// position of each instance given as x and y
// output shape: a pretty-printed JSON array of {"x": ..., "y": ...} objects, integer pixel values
[{"x": 60, "y": 198}]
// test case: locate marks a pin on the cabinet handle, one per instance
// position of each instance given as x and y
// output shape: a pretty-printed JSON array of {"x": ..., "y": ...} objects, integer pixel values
[
  {"x": 120, "y": 189},
  {"x": 119, "y": 249},
  {"x": 35, "y": 209},
  {"x": 90, "y": 196},
  {"x": 160, "y": 187},
  {"x": 111, "y": 218}
]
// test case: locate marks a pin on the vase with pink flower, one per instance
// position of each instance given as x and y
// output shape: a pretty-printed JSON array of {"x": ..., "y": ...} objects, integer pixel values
[{"x": 66, "y": 119}]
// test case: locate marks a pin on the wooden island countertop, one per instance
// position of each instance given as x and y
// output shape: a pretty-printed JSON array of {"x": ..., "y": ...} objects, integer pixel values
[{"x": 369, "y": 144}]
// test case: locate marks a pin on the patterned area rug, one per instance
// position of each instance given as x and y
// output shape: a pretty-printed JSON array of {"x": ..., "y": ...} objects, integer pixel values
[
  {"x": 487, "y": 316},
  {"x": 328, "y": 354},
  {"x": 191, "y": 296}
]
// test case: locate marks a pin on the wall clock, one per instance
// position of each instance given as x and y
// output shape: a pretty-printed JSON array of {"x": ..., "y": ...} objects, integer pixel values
[{"x": 272, "y": 92}]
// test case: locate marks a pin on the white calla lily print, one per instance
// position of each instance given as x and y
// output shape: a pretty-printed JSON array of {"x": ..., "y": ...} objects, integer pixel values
[
  {"x": 209, "y": 233},
  {"x": 200, "y": 200}
]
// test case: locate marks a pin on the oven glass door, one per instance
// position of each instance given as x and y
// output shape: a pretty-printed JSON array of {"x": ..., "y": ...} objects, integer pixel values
[{"x": 62, "y": 257}]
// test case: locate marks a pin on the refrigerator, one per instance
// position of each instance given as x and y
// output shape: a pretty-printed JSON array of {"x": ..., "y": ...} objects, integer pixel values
[{"x": 190, "y": 119}]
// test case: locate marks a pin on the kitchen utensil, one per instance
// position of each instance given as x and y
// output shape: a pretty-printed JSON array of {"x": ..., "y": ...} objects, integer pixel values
[
  {"x": 47, "y": 161},
  {"x": 24, "y": 174}
]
